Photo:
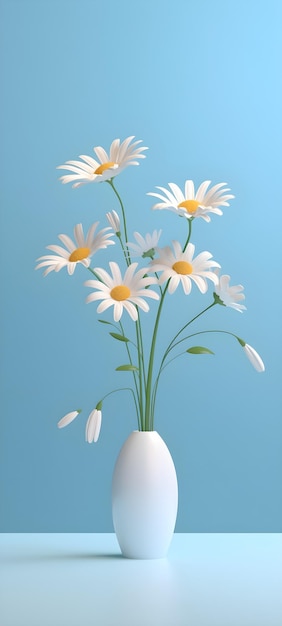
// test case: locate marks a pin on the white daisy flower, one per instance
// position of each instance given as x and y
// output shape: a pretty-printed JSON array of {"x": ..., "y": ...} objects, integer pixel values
[
  {"x": 193, "y": 204},
  {"x": 180, "y": 267},
  {"x": 145, "y": 246},
  {"x": 93, "y": 426},
  {"x": 114, "y": 221},
  {"x": 122, "y": 293},
  {"x": 88, "y": 170},
  {"x": 79, "y": 252},
  {"x": 68, "y": 418},
  {"x": 254, "y": 357},
  {"x": 230, "y": 296}
]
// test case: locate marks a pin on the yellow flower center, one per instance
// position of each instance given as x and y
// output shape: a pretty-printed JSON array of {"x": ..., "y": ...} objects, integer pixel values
[
  {"x": 79, "y": 254},
  {"x": 120, "y": 292},
  {"x": 190, "y": 206},
  {"x": 103, "y": 167},
  {"x": 182, "y": 267}
]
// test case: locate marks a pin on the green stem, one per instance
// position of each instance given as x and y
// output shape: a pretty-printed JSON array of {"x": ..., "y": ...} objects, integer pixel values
[
  {"x": 160, "y": 288},
  {"x": 150, "y": 402},
  {"x": 142, "y": 348},
  {"x": 141, "y": 369},
  {"x": 123, "y": 216},
  {"x": 190, "y": 220},
  {"x": 138, "y": 325},
  {"x": 149, "y": 418},
  {"x": 125, "y": 253},
  {"x": 123, "y": 389},
  {"x": 173, "y": 359},
  {"x": 185, "y": 326},
  {"x": 134, "y": 376},
  {"x": 171, "y": 346},
  {"x": 96, "y": 275},
  {"x": 203, "y": 332}
]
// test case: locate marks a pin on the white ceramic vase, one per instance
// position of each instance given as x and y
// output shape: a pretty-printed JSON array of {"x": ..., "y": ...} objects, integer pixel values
[{"x": 144, "y": 496}]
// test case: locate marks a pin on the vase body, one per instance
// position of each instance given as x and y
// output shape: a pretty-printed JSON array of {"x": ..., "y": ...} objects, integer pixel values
[{"x": 144, "y": 496}]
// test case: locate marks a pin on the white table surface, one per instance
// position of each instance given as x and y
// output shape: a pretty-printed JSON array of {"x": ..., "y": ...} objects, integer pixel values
[{"x": 82, "y": 580}]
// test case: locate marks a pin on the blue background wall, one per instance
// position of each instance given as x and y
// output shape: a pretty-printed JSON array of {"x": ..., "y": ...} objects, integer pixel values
[{"x": 199, "y": 82}]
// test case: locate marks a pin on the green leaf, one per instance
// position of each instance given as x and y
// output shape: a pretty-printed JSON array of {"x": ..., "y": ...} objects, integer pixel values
[
  {"x": 127, "y": 368},
  {"x": 104, "y": 322},
  {"x": 199, "y": 350},
  {"x": 119, "y": 337}
]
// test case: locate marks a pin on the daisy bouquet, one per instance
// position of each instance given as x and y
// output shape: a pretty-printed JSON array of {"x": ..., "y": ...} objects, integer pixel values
[{"x": 158, "y": 272}]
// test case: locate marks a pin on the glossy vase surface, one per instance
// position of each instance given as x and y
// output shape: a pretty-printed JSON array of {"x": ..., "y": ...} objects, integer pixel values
[{"x": 144, "y": 496}]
